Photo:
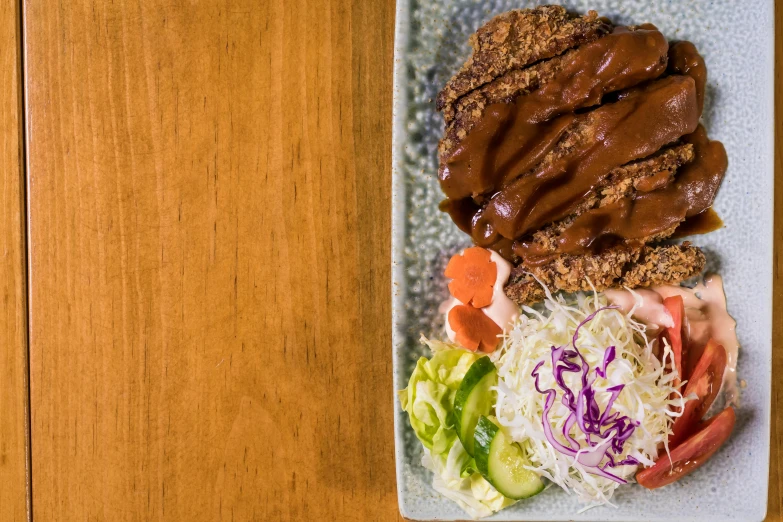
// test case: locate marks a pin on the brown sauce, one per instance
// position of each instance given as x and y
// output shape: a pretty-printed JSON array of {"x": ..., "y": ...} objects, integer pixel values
[
  {"x": 629, "y": 129},
  {"x": 461, "y": 212},
  {"x": 654, "y": 182},
  {"x": 707, "y": 221},
  {"x": 530, "y": 162},
  {"x": 685, "y": 59},
  {"x": 650, "y": 213},
  {"x": 512, "y": 138}
]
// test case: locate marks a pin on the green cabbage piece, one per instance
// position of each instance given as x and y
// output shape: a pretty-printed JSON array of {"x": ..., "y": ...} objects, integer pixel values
[
  {"x": 472, "y": 491},
  {"x": 429, "y": 397},
  {"x": 429, "y": 401}
]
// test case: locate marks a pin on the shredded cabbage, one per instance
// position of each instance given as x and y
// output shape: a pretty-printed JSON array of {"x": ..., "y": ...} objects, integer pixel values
[{"x": 647, "y": 397}]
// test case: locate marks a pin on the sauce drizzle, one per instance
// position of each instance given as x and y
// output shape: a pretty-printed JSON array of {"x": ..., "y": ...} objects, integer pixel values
[
  {"x": 530, "y": 162},
  {"x": 512, "y": 138}
]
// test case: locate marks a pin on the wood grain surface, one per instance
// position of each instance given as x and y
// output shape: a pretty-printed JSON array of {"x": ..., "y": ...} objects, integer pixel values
[
  {"x": 775, "y": 505},
  {"x": 209, "y": 276},
  {"x": 13, "y": 314},
  {"x": 210, "y": 216}
]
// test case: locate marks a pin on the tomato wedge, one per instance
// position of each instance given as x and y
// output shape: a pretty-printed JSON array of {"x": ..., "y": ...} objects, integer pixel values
[
  {"x": 691, "y": 454},
  {"x": 705, "y": 383},
  {"x": 676, "y": 309},
  {"x": 695, "y": 351}
]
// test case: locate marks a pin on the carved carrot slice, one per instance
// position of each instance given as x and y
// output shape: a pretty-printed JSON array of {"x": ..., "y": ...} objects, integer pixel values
[
  {"x": 473, "y": 275},
  {"x": 473, "y": 329}
]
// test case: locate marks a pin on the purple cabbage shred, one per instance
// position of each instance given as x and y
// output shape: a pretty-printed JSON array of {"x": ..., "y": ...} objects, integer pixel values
[{"x": 606, "y": 432}]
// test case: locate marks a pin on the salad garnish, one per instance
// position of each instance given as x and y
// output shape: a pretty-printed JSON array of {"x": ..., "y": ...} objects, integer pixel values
[
  {"x": 577, "y": 392},
  {"x": 473, "y": 275},
  {"x": 612, "y": 430},
  {"x": 582, "y": 391},
  {"x": 473, "y": 329},
  {"x": 478, "y": 310}
]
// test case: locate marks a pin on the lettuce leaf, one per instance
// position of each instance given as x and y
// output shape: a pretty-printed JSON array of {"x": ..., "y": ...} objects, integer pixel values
[
  {"x": 471, "y": 492},
  {"x": 429, "y": 401},
  {"x": 429, "y": 397}
]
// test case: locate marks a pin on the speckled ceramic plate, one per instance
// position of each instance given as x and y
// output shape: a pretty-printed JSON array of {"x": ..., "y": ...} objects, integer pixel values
[{"x": 736, "y": 39}]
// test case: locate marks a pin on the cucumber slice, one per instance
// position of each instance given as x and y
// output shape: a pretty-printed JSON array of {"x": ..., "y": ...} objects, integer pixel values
[
  {"x": 474, "y": 399},
  {"x": 501, "y": 461}
]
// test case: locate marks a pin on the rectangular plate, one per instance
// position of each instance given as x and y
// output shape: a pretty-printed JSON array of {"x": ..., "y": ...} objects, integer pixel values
[{"x": 737, "y": 42}]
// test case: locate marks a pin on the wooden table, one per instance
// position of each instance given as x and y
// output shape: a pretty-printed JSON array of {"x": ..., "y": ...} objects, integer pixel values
[{"x": 195, "y": 262}]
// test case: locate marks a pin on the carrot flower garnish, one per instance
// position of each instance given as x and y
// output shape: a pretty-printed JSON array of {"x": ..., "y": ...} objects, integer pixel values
[
  {"x": 473, "y": 275},
  {"x": 473, "y": 329}
]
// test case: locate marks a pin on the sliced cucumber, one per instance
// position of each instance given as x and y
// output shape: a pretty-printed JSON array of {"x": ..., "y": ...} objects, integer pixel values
[
  {"x": 474, "y": 399},
  {"x": 502, "y": 462}
]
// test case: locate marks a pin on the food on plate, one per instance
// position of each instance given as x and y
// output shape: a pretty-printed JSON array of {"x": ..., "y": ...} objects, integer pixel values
[
  {"x": 706, "y": 318},
  {"x": 478, "y": 309},
  {"x": 573, "y": 148},
  {"x": 516, "y": 39},
  {"x": 690, "y": 454},
  {"x": 503, "y": 463},
  {"x": 650, "y": 266},
  {"x": 581, "y": 388},
  {"x": 472, "y": 275},
  {"x": 473, "y": 329},
  {"x": 586, "y": 391},
  {"x": 473, "y": 399},
  {"x": 573, "y": 356},
  {"x": 702, "y": 389}
]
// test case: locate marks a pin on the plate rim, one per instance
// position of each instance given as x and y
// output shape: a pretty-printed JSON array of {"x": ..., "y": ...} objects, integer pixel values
[{"x": 399, "y": 110}]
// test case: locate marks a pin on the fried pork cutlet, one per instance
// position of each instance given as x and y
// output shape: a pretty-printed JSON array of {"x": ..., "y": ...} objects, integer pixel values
[
  {"x": 598, "y": 142},
  {"x": 645, "y": 44},
  {"x": 572, "y": 147},
  {"x": 516, "y": 39},
  {"x": 623, "y": 182},
  {"x": 615, "y": 267}
]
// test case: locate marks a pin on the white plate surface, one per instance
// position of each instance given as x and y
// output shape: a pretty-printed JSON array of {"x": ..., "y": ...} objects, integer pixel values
[{"x": 736, "y": 39}]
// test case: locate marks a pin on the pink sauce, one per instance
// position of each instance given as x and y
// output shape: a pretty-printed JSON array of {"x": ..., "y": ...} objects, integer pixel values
[
  {"x": 705, "y": 317},
  {"x": 501, "y": 310},
  {"x": 644, "y": 304}
]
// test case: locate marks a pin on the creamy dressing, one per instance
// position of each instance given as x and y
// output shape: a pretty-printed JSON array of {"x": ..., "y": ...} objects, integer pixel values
[
  {"x": 706, "y": 317},
  {"x": 445, "y": 308},
  {"x": 645, "y": 305},
  {"x": 501, "y": 310}
]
